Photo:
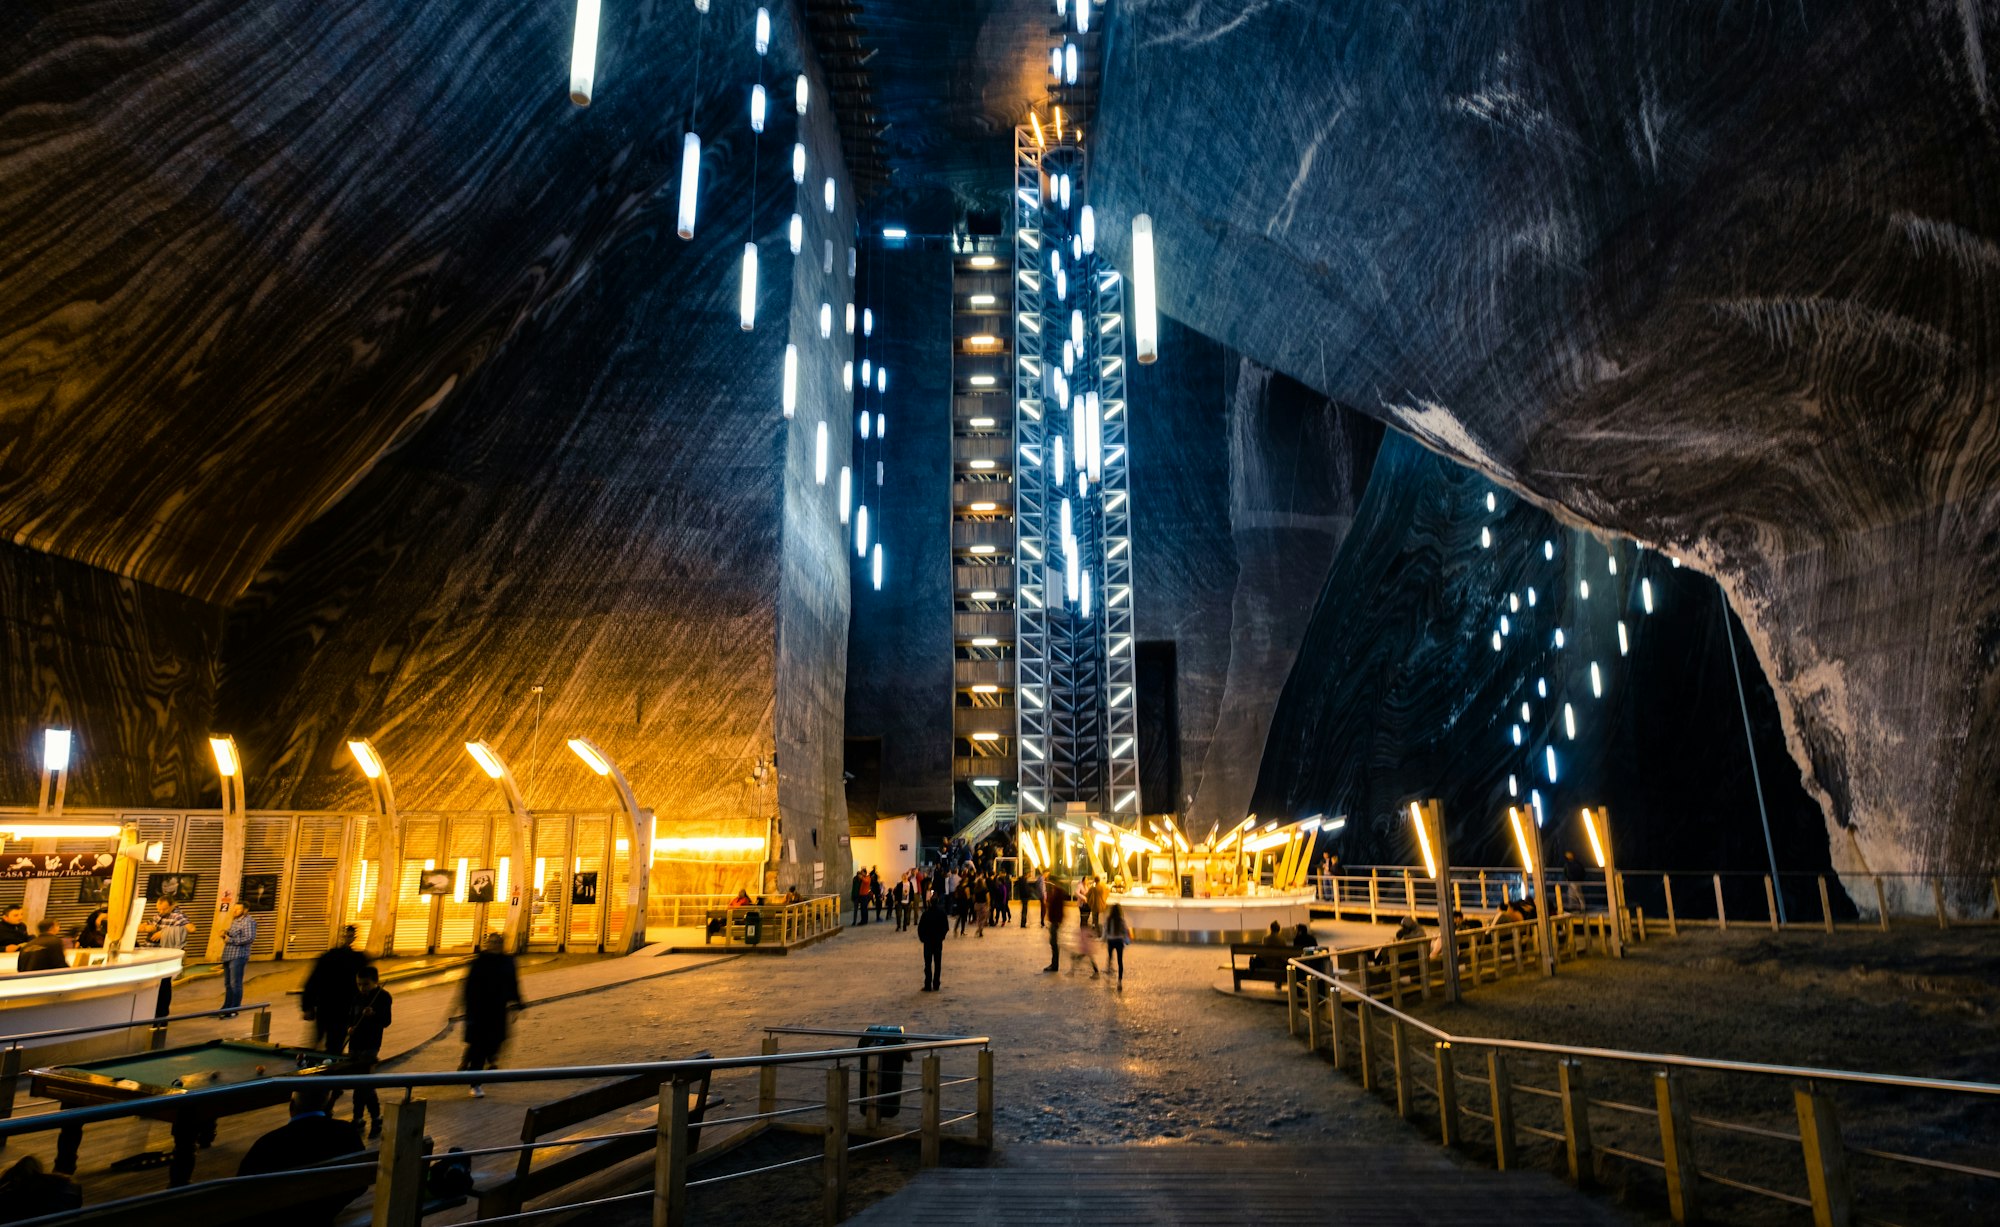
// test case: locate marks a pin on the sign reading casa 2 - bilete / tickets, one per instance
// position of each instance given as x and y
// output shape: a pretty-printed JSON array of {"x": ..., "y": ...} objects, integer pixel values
[{"x": 57, "y": 865}]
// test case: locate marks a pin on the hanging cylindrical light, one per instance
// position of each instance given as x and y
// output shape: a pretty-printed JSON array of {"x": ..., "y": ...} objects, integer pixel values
[
  {"x": 850, "y": 319},
  {"x": 1055, "y": 62},
  {"x": 791, "y": 393},
  {"x": 866, "y": 424},
  {"x": 867, "y": 373},
  {"x": 798, "y": 163},
  {"x": 861, "y": 531},
  {"x": 763, "y": 31},
  {"x": 799, "y": 93},
  {"x": 846, "y": 494},
  {"x": 1083, "y": 16},
  {"x": 1079, "y": 450},
  {"x": 1062, "y": 186},
  {"x": 1069, "y": 70},
  {"x": 795, "y": 234},
  {"x": 747, "y": 301},
  {"x": 758, "y": 102},
  {"x": 829, "y": 196},
  {"x": 1069, "y": 357},
  {"x": 847, "y": 376},
  {"x": 881, "y": 379},
  {"x": 1083, "y": 595},
  {"x": 881, "y": 426},
  {"x": 876, "y": 566},
  {"x": 690, "y": 183},
  {"x": 867, "y": 322},
  {"x": 1145, "y": 306},
  {"x": 583, "y": 53},
  {"x": 1057, "y": 460},
  {"x": 1093, "y": 435},
  {"x": 1087, "y": 229},
  {"x": 825, "y": 321}
]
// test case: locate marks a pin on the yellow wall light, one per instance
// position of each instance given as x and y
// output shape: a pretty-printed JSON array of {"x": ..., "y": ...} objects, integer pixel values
[
  {"x": 1596, "y": 843},
  {"x": 366, "y": 758},
  {"x": 1424, "y": 840},
  {"x": 591, "y": 758},
  {"x": 1521, "y": 838}
]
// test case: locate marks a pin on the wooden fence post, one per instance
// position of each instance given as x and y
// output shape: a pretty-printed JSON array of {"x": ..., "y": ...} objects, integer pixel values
[
  {"x": 933, "y": 1089},
  {"x": 1673, "y": 921},
  {"x": 399, "y": 1167},
  {"x": 1576, "y": 1119},
  {"x": 1825, "y": 906},
  {"x": 1937, "y": 893},
  {"x": 1333, "y": 1026},
  {"x": 1500, "y": 1088},
  {"x": 1447, "y": 1085},
  {"x": 1423, "y": 971},
  {"x": 1312, "y": 1013},
  {"x": 1881, "y": 906},
  {"x": 1826, "y": 1158},
  {"x": 670, "y": 1156},
  {"x": 1771, "y": 901},
  {"x": 1363, "y": 1012},
  {"x": 767, "y": 1078},
  {"x": 1676, "y": 1145},
  {"x": 984, "y": 1119},
  {"x": 260, "y": 1025},
  {"x": 1374, "y": 896},
  {"x": 1291, "y": 999},
  {"x": 1721, "y": 909},
  {"x": 834, "y": 1169},
  {"x": 1399, "y": 1061}
]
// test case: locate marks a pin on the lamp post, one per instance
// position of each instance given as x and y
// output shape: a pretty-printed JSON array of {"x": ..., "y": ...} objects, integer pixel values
[
  {"x": 388, "y": 845},
  {"x": 235, "y": 834},
  {"x": 1428, "y": 816},
  {"x": 1597, "y": 826},
  {"x": 516, "y": 933},
  {"x": 1531, "y": 859},
  {"x": 639, "y": 823}
]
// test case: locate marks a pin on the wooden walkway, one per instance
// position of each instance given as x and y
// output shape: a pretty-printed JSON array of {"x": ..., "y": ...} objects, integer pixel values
[{"x": 1266, "y": 1185}]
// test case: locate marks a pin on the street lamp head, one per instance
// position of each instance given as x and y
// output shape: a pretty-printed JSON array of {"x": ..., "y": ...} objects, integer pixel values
[
  {"x": 55, "y": 750},
  {"x": 590, "y": 756},
  {"x": 224, "y": 748},
  {"x": 488, "y": 761},
  {"x": 365, "y": 758}
]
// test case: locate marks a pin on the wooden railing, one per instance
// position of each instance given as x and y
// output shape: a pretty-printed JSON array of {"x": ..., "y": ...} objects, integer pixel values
[
  {"x": 1416, "y": 968},
  {"x": 858, "y": 1088},
  {"x": 783, "y": 924},
  {"x": 1388, "y": 1050}
]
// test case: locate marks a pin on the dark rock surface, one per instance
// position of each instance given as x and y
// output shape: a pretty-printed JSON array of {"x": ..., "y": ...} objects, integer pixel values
[{"x": 1719, "y": 280}]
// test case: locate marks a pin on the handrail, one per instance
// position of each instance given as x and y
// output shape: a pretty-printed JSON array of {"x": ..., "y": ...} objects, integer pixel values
[
  {"x": 900, "y": 1035},
  {"x": 413, "y": 1079},
  {"x": 27, "y": 1036},
  {"x": 1902, "y": 1081}
]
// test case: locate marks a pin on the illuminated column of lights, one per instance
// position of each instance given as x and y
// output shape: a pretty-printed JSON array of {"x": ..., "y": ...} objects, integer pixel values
[
  {"x": 1032, "y": 403},
  {"x": 1108, "y": 434}
]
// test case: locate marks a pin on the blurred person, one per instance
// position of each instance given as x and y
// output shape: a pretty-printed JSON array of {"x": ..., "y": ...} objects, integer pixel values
[
  {"x": 1117, "y": 935},
  {"x": 372, "y": 1015},
  {"x": 45, "y": 951},
  {"x": 327, "y": 1000},
  {"x": 492, "y": 988}
]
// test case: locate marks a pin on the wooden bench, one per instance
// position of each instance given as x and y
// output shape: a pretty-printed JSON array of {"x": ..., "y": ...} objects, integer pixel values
[
  {"x": 1259, "y": 963},
  {"x": 736, "y": 924},
  {"x": 532, "y": 1180}
]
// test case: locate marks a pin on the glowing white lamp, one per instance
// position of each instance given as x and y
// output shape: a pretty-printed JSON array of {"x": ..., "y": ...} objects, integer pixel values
[
  {"x": 225, "y": 756},
  {"x": 1549, "y": 758},
  {"x": 746, "y": 303},
  {"x": 1646, "y": 594},
  {"x": 867, "y": 373},
  {"x": 1624, "y": 641},
  {"x": 829, "y": 194},
  {"x": 876, "y": 566},
  {"x": 690, "y": 183},
  {"x": 1069, "y": 76},
  {"x": 847, "y": 376},
  {"x": 865, "y": 423},
  {"x": 758, "y": 102},
  {"x": 791, "y": 390},
  {"x": 819, "y": 454},
  {"x": 867, "y": 321},
  {"x": 800, "y": 91},
  {"x": 583, "y": 53},
  {"x": 825, "y": 320},
  {"x": 763, "y": 30},
  {"x": 861, "y": 531},
  {"x": 1596, "y": 681},
  {"x": 796, "y": 233},
  {"x": 488, "y": 761},
  {"x": 1088, "y": 227},
  {"x": 55, "y": 750},
  {"x": 846, "y": 494},
  {"x": 1084, "y": 595},
  {"x": 1145, "y": 306},
  {"x": 1569, "y": 721},
  {"x": 881, "y": 379},
  {"x": 850, "y": 319},
  {"x": 798, "y": 163},
  {"x": 881, "y": 423}
]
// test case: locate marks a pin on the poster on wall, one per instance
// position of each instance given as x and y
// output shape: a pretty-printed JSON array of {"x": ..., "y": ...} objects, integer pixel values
[
  {"x": 93, "y": 890},
  {"x": 176, "y": 886},
  {"x": 58, "y": 865},
  {"x": 437, "y": 882},
  {"x": 480, "y": 886},
  {"x": 260, "y": 892},
  {"x": 582, "y": 888}
]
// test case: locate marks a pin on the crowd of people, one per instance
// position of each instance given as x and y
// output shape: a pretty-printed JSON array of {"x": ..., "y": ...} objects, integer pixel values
[{"x": 960, "y": 891}]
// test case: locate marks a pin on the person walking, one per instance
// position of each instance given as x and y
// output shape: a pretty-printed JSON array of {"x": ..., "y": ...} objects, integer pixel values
[
  {"x": 1002, "y": 893},
  {"x": 1117, "y": 935},
  {"x": 860, "y": 888},
  {"x": 875, "y": 893},
  {"x": 982, "y": 904},
  {"x": 1083, "y": 946},
  {"x": 491, "y": 989},
  {"x": 1021, "y": 888},
  {"x": 373, "y": 1013},
  {"x": 1573, "y": 882},
  {"x": 1099, "y": 894},
  {"x": 169, "y": 930},
  {"x": 236, "y": 942},
  {"x": 931, "y": 930},
  {"x": 962, "y": 902},
  {"x": 327, "y": 999},
  {"x": 1053, "y": 901}
]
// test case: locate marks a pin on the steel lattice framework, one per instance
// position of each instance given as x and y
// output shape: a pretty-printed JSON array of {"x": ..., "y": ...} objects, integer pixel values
[{"x": 1074, "y": 641}]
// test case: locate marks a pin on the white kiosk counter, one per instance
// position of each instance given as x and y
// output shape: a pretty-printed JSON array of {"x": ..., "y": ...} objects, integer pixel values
[
  {"x": 122, "y": 989},
  {"x": 1214, "y": 919}
]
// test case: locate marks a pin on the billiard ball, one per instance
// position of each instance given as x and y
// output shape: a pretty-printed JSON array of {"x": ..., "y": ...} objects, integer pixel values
[{"x": 260, "y": 1071}]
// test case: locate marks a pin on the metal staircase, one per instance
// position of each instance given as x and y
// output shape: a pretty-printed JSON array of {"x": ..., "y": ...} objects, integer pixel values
[{"x": 994, "y": 817}]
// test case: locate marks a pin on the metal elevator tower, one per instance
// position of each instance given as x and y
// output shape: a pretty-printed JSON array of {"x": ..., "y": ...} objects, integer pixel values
[{"x": 1074, "y": 641}]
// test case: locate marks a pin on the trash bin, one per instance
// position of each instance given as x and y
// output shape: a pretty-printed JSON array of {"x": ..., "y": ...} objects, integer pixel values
[
  {"x": 883, "y": 1075},
  {"x": 753, "y": 928}
]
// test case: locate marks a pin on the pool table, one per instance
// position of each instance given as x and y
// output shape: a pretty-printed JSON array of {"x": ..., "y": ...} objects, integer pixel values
[{"x": 164, "y": 1075}]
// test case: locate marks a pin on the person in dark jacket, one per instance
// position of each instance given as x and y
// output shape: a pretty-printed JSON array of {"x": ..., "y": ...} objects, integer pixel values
[
  {"x": 311, "y": 1137},
  {"x": 1054, "y": 900},
  {"x": 92, "y": 936},
  {"x": 13, "y": 929},
  {"x": 328, "y": 996},
  {"x": 46, "y": 951},
  {"x": 372, "y": 1015},
  {"x": 931, "y": 930},
  {"x": 491, "y": 989}
]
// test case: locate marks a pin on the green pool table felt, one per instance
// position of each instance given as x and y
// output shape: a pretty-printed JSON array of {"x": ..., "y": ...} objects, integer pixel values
[{"x": 234, "y": 1060}]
